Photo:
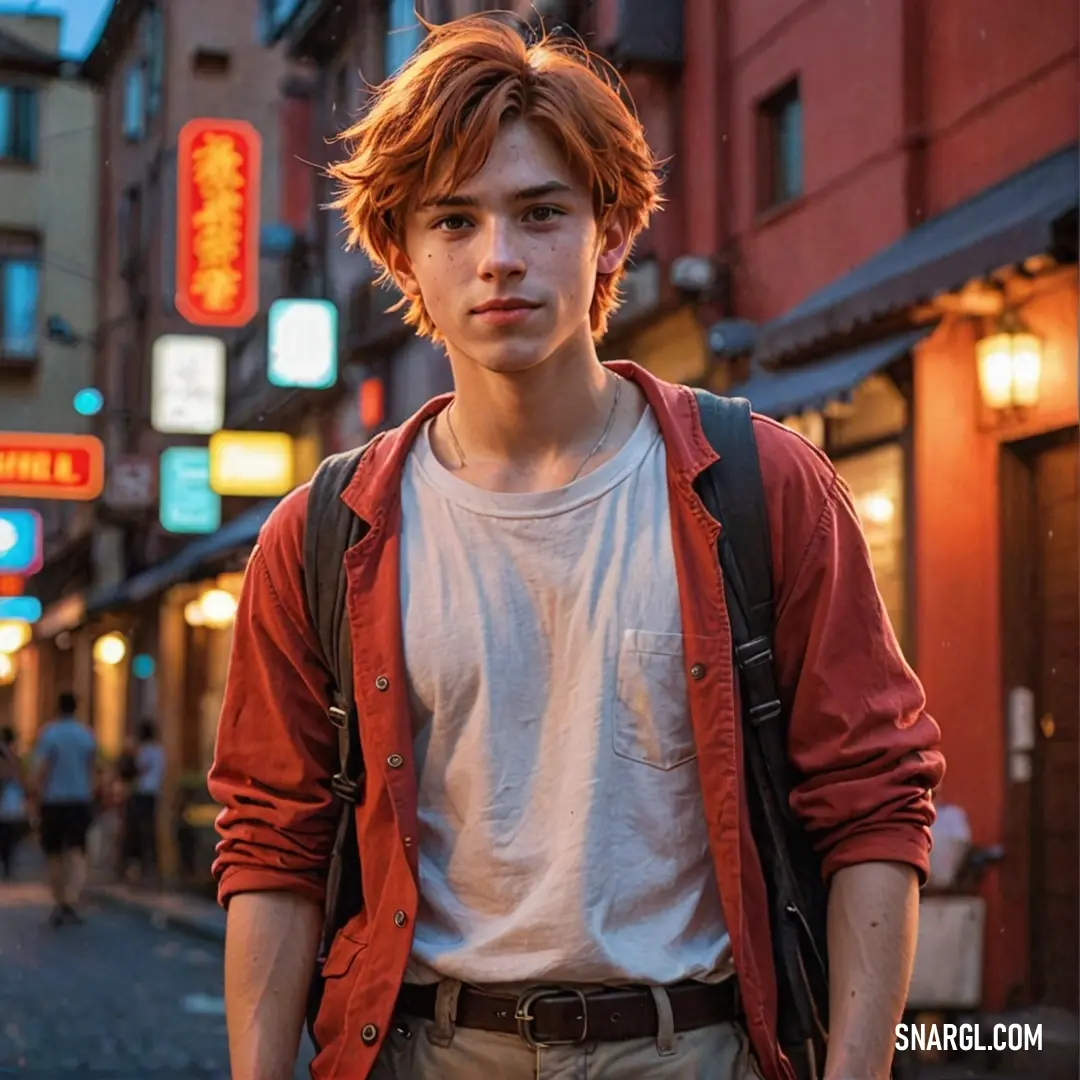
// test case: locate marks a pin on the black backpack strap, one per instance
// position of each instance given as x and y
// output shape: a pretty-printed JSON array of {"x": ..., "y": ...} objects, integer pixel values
[
  {"x": 733, "y": 492},
  {"x": 331, "y": 528}
]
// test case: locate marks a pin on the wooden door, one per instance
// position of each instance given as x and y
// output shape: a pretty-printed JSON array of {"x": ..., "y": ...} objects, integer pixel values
[{"x": 1055, "y": 820}]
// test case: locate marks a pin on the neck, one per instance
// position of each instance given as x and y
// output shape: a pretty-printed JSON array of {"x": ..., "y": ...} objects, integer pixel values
[{"x": 533, "y": 415}]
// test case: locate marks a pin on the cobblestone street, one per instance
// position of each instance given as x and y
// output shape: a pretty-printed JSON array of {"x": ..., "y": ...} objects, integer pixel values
[{"x": 117, "y": 998}]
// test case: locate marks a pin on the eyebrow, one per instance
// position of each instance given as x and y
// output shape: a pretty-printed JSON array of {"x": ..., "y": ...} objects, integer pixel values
[{"x": 538, "y": 191}]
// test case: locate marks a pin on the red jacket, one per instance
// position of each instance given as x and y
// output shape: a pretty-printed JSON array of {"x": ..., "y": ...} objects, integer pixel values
[{"x": 859, "y": 733}]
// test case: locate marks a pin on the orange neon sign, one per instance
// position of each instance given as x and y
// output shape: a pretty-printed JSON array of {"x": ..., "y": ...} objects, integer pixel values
[
  {"x": 12, "y": 585},
  {"x": 51, "y": 466},
  {"x": 217, "y": 238}
]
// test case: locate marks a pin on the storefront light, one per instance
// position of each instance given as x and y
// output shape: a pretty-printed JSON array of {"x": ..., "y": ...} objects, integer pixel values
[
  {"x": 193, "y": 613},
  {"x": 110, "y": 649},
  {"x": 1010, "y": 365},
  {"x": 878, "y": 508},
  {"x": 218, "y": 608},
  {"x": 13, "y": 636},
  {"x": 7, "y": 670}
]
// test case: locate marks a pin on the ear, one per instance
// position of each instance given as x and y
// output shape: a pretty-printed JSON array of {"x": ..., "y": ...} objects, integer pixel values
[
  {"x": 400, "y": 267},
  {"x": 614, "y": 245}
]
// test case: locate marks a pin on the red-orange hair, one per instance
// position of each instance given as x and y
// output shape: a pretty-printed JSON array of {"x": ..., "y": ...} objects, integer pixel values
[{"x": 443, "y": 110}]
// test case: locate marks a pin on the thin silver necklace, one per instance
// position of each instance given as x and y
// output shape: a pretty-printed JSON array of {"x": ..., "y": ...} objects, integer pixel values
[{"x": 592, "y": 453}]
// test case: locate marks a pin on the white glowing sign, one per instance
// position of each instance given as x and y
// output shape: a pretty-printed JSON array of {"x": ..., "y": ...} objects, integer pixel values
[
  {"x": 188, "y": 396},
  {"x": 302, "y": 343}
]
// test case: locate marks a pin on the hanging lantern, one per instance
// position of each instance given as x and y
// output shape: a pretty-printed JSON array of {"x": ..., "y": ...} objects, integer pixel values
[{"x": 1010, "y": 366}]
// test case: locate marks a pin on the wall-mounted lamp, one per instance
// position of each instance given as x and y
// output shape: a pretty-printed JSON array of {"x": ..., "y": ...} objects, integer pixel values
[
  {"x": 215, "y": 608},
  {"x": 218, "y": 608},
  {"x": 1010, "y": 363},
  {"x": 7, "y": 670},
  {"x": 13, "y": 636},
  {"x": 110, "y": 649}
]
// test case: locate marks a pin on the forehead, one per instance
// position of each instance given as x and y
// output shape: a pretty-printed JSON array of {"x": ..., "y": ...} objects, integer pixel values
[{"x": 521, "y": 157}]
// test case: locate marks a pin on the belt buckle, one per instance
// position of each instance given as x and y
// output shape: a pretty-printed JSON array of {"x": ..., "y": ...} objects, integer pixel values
[{"x": 525, "y": 1019}]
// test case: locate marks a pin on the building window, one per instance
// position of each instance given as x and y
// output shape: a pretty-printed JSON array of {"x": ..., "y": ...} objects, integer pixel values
[
  {"x": 274, "y": 15},
  {"x": 135, "y": 102},
  {"x": 129, "y": 232},
  {"x": 865, "y": 436},
  {"x": 403, "y": 34},
  {"x": 211, "y": 62},
  {"x": 780, "y": 147},
  {"x": 875, "y": 479},
  {"x": 18, "y": 125},
  {"x": 20, "y": 287},
  {"x": 154, "y": 54}
]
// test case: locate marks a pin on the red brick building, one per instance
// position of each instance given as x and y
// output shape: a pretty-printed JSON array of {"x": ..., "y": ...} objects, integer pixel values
[{"x": 886, "y": 182}]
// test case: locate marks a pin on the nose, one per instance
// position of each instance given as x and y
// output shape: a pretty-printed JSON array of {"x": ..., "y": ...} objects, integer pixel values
[{"x": 501, "y": 257}]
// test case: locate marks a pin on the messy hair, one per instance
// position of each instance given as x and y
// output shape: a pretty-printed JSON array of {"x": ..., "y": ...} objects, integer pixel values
[{"x": 443, "y": 110}]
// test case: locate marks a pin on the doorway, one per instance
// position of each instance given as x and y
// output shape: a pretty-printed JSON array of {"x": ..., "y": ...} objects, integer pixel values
[{"x": 1041, "y": 534}]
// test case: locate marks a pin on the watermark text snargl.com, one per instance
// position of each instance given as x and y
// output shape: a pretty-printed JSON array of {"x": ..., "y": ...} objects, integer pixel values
[{"x": 964, "y": 1037}]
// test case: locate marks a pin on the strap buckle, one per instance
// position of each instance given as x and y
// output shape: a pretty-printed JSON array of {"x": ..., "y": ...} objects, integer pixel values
[
  {"x": 344, "y": 788},
  {"x": 525, "y": 1018},
  {"x": 755, "y": 660},
  {"x": 338, "y": 716}
]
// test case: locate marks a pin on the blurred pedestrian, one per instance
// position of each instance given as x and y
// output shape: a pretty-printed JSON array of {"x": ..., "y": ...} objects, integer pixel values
[
  {"x": 65, "y": 759},
  {"x": 14, "y": 811},
  {"x": 126, "y": 842},
  {"x": 142, "y": 820}
]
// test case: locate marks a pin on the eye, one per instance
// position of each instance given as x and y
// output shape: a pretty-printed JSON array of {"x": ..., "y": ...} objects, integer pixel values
[
  {"x": 543, "y": 214},
  {"x": 453, "y": 223}
]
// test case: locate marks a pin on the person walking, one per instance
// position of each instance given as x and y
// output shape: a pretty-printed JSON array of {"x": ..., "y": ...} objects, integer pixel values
[
  {"x": 65, "y": 757},
  {"x": 554, "y": 869},
  {"x": 144, "y": 799},
  {"x": 14, "y": 808},
  {"x": 126, "y": 846}
]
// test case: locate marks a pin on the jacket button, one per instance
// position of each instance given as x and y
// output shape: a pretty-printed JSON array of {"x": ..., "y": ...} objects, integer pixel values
[
  {"x": 368, "y": 1034},
  {"x": 697, "y": 671},
  {"x": 400, "y": 918},
  {"x": 382, "y": 683},
  {"x": 395, "y": 761}
]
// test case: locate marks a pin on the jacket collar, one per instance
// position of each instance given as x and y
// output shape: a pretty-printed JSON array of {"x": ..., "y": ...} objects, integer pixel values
[{"x": 376, "y": 483}]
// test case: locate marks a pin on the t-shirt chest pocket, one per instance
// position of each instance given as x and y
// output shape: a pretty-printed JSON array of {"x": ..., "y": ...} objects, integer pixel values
[{"x": 652, "y": 720}]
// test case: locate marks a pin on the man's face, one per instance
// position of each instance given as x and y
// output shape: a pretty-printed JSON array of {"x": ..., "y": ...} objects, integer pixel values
[{"x": 506, "y": 264}]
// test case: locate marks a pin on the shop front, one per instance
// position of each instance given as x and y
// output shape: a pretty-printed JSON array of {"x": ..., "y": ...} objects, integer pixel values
[
  {"x": 941, "y": 378},
  {"x": 160, "y": 651}
]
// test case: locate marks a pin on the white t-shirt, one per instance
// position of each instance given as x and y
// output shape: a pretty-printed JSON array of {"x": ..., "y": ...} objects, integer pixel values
[
  {"x": 562, "y": 833},
  {"x": 150, "y": 761}
]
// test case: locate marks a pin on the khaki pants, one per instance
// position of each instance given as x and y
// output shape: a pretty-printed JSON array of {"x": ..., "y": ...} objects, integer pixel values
[{"x": 437, "y": 1050}]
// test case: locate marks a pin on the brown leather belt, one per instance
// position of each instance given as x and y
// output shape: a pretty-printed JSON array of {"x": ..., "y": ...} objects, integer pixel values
[{"x": 557, "y": 1016}]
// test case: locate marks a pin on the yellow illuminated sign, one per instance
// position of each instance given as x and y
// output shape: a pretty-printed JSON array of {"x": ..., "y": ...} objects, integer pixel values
[{"x": 251, "y": 463}]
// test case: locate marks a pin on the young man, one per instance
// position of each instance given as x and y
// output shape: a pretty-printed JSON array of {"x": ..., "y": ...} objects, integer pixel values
[
  {"x": 542, "y": 658},
  {"x": 65, "y": 755}
]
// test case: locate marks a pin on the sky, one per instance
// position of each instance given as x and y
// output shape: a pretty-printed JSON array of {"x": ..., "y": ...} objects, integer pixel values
[{"x": 82, "y": 19}]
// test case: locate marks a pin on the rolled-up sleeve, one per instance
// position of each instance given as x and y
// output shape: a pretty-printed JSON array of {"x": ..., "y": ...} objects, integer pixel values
[
  {"x": 276, "y": 749},
  {"x": 862, "y": 744}
]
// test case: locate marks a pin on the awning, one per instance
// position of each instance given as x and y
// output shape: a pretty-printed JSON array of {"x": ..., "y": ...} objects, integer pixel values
[
  {"x": 813, "y": 386},
  {"x": 187, "y": 564},
  {"x": 1028, "y": 214},
  {"x": 65, "y": 614}
]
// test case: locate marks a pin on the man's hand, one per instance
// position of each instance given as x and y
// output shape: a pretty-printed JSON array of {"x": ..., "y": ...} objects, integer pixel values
[
  {"x": 270, "y": 944},
  {"x": 873, "y": 926}
]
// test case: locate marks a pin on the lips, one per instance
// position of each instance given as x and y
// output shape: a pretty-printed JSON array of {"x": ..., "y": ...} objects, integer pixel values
[{"x": 512, "y": 303}]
